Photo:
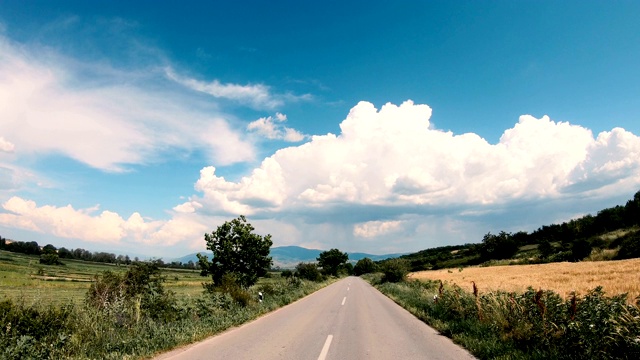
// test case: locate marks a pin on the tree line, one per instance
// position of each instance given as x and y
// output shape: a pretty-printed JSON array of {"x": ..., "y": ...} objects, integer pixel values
[
  {"x": 54, "y": 255},
  {"x": 573, "y": 240}
]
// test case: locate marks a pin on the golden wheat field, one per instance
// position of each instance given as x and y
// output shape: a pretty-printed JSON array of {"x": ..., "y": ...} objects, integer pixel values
[{"x": 615, "y": 277}]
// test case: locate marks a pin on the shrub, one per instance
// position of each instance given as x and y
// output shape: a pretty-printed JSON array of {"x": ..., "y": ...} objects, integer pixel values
[
  {"x": 364, "y": 266},
  {"x": 49, "y": 259},
  {"x": 308, "y": 271},
  {"x": 138, "y": 292},
  {"x": 229, "y": 285},
  {"x": 629, "y": 247},
  {"x": 33, "y": 331},
  {"x": 395, "y": 270}
]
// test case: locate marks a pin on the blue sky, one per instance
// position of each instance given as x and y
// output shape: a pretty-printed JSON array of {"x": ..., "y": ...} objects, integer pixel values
[{"x": 137, "y": 127}]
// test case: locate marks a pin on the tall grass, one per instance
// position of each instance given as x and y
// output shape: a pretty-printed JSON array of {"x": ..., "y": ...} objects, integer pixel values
[{"x": 525, "y": 325}]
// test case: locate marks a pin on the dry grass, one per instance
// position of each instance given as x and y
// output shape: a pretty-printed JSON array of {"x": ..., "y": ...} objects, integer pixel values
[{"x": 616, "y": 277}]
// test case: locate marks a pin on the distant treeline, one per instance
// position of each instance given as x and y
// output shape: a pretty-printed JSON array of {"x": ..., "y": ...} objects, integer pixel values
[
  {"x": 570, "y": 241},
  {"x": 32, "y": 248}
]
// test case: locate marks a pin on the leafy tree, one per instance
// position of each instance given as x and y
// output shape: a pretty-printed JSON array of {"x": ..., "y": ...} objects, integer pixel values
[
  {"x": 630, "y": 247},
  {"x": 49, "y": 258},
  {"x": 501, "y": 246},
  {"x": 580, "y": 249},
  {"x": 395, "y": 270},
  {"x": 49, "y": 249},
  {"x": 330, "y": 261},
  {"x": 65, "y": 253},
  {"x": 545, "y": 248},
  {"x": 286, "y": 273},
  {"x": 308, "y": 271},
  {"x": 346, "y": 269},
  {"x": 238, "y": 251},
  {"x": 364, "y": 266}
]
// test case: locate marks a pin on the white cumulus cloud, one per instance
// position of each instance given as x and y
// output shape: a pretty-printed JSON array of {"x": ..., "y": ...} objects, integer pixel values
[
  {"x": 272, "y": 128},
  {"x": 393, "y": 158},
  {"x": 374, "y": 228}
]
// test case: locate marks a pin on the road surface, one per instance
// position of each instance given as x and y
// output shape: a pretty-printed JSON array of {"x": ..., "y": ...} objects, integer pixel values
[{"x": 348, "y": 319}]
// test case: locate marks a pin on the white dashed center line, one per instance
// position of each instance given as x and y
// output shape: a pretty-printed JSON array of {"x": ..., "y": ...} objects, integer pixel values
[
  {"x": 343, "y": 300},
  {"x": 325, "y": 348}
]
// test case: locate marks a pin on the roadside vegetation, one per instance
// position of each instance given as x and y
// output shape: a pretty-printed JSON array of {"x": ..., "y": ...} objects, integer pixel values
[
  {"x": 133, "y": 311},
  {"x": 532, "y": 324}
]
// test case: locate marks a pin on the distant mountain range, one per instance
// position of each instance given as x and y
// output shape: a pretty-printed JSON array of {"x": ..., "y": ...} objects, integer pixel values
[{"x": 290, "y": 256}]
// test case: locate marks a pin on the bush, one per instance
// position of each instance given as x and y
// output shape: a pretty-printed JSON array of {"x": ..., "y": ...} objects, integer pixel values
[
  {"x": 308, "y": 271},
  {"x": 34, "y": 332},
  {"x": 49, "y": 259},
  {"x": 395, "y": 270},
  {"x": 629, "y": 247},
  {"x": 139, "y": 292},
  {"x": 286, "y": 273},
  {"x": 364, "y": 266},
  {"x": 229, "y": 285}
]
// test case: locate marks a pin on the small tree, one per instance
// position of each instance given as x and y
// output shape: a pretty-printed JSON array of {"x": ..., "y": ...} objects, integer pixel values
[
  {"x": 364, "y": 266},
  {"x": 238, "y": 251},
  {"x": 308, "y": 271},
  {"x": 331, "y": 261},
  {"x": 395, "y": 270},
  {"x": 545, "y": 248},
  {"x": 496, "y": 247}
]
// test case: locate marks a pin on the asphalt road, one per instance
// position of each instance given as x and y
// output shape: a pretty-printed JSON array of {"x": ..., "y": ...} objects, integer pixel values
[{"x": 346, "y": 320}]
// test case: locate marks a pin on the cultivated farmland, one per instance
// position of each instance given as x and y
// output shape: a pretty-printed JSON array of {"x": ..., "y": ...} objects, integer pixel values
[{"x": 615, "y": 277}]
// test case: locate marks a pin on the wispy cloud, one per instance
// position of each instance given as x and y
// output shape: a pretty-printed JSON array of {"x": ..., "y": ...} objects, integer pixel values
[
  {"x": 258, "y": 96},
  {"x": 102, "y": 116}
]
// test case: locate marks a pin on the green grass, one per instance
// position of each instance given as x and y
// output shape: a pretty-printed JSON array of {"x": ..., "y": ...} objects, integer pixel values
[
  {"x": 23, "y": 278},
  {"x": 43, "y": 314}
]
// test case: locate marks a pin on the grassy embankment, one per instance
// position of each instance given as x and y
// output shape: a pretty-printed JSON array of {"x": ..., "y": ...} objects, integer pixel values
[
  {"x": 501, "y": 318},
  {"x": 43, "y": 314}
]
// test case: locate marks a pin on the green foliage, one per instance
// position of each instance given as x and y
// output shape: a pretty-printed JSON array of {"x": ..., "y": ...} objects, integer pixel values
[
  {"x": 364, "y": 266},
  {"x": 395, "y": 270},
  {"x": 49, "y": 258},
  {"x": 629, "y": 246},
  {"x": 529, "y": 325},
  {"x": 286, "y": 273},
  {"x": 34, "y": 332},
  {"x": 330, "y": 261},
  {"x": 229, "y": 285},
  {"x": 236, "y": 249},
  {"x": 496, "y": 247},
  {"x": 83, "y": 331},
  {"x": 308, "y": 271},
  {"x": 580, "y": 249},
  {"x": 545, "y": 248},
  {"x": 138, "y": 292},
  {"x": 346, "y": 269}
]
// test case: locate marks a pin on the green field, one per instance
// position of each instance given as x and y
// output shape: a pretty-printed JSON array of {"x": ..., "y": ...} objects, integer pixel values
[{"x": 23, "y": 278}]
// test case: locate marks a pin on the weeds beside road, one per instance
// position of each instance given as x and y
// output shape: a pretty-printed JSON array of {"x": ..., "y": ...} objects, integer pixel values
[
  {"x": 81, "y": 331},
  {"x": 524, "y": 325}
]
